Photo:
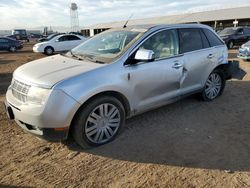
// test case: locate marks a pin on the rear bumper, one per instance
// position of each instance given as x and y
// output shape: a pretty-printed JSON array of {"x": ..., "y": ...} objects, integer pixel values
[{"x": 244, "y": 54}]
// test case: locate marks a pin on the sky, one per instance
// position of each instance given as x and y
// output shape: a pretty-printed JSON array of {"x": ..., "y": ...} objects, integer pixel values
[{"x": 31, "y": 14}]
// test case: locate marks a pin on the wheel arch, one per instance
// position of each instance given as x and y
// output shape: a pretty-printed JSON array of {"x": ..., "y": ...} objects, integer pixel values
[
  {"x": 114, "y": 94},
  {"x": 49, "y": 46},
  {"x": 224, "y": 69}
]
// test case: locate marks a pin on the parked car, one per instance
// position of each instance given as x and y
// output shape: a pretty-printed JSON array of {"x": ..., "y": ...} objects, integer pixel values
[
  {"x": 235, "y": 36},
  {"x": 244, "y": 51},
  {"x": 35, "y": 36},
  {"x": 115, "y": 75},
  {"x": 9, "y": 44},
  {"x": 19, "y": 34},
  {"x": 59, "y": 43},
  {"x": 43, "y": 39}
]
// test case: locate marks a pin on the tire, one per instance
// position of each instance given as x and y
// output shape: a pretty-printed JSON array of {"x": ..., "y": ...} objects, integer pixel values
[
  {"x": 214, "y": 86},
  {"x": 12, "y": 49},
  {"x": 230, "y": 44},
  {"x": 93, "y": 128},
  {"x": 49, "y": 50}
]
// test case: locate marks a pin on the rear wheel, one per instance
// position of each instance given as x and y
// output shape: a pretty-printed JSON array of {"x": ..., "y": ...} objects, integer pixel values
[
  {"x": 214, "y": 86},
  {"x": 98, "y": 122},
  {"x": 48, "y": 50}
]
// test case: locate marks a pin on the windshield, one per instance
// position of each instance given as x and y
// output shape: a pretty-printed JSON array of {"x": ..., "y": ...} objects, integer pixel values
[
  {"x": 50, "y": 36},
  {"x": 228, "y": 31},
  {"x": 106, "y": 46}
]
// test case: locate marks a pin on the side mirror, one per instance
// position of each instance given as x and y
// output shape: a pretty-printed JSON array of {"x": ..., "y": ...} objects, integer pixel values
[
  {"x": 145, "y": 55},
  {"x": 240, "y": 33},
  {"x": 57, "y": 40}
]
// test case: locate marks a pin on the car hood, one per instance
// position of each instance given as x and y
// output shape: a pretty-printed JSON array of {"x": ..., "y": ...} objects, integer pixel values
[
  {"x": 224, "y": 35},
  {"x": 48, "y": 71}
]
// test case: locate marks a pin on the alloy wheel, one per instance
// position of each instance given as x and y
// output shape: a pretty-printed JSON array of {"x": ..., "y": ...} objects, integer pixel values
[
  {"x": 12, "y": 48},
  {"x": 102, "y": 123},
  {"x": 213, "y": 86}
]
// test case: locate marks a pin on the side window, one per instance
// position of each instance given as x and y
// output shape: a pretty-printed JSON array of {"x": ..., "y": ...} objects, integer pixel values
[
  {"x": 204, "y": 40},
  {"x": 247, "y": 31},
  {"x": 73, "y": 37},
  {"x": 63, "y": 38},
  {"x": 190, "y": 40},
  {"x": 212, "y": 38},
  {"x": 3, "y": 40},
  {"x": 164, "y": 44}
]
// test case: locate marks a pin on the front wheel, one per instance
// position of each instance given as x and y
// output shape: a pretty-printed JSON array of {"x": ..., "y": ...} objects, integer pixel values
[
  {"x": 98, "y": 122},
  {"x": 48, "y": 50},
  {"x": 12, "y": 49},
  {"x": 214, "y": 86}
]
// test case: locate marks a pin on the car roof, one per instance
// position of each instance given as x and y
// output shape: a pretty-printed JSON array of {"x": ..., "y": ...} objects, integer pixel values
[
  {"x": 68, "y": 34},
  {"x": 162, "y": 26},
  {"x": 7, "y": 38}
]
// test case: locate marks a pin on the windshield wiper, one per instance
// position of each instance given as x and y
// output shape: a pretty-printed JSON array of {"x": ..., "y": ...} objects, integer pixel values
[
  {"x": 82, "y": 57},
  {"x": 75, "y": 56}
]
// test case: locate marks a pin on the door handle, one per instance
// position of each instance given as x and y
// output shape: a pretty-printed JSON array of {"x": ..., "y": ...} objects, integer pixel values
[
  {"x": 210, "y": 56},
  {"x": 177, "y": 66}
]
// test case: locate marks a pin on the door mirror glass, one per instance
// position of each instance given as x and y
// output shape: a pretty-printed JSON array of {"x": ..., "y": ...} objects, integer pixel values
[{"x": 144, "y": 55}]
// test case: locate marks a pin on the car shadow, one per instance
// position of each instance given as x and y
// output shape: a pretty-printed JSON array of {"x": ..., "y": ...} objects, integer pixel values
[
  {"x": 5, "y": 80},
  {"x": 188, "y": 133}
]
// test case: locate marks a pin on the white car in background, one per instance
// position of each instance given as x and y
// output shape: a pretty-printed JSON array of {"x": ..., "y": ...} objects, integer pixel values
[{"x": 60, "y": 43}]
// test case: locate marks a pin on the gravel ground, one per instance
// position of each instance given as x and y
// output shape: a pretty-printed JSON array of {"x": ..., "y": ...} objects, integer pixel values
[{"x": 186, "y": 144}]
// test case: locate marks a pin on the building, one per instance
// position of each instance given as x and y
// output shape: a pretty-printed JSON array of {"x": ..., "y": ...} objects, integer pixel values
[{"x": 218, "y": 19}]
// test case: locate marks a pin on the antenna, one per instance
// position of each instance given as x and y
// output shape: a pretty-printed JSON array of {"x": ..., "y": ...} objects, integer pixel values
[{"x": 125, "y": 25}]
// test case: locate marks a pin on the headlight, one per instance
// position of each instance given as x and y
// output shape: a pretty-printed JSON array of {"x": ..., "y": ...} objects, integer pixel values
[
  {"x": 38, "y": 45},
  {"x": 37, "y": 95}
]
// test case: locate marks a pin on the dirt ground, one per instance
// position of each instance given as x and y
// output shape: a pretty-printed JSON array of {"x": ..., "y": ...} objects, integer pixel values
[{"x": 186, "y": 144}]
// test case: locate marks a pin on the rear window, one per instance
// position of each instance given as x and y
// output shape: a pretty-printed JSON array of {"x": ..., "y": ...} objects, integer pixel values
[
  {"x": 212, "y": 38},
  {"x": 73, "y": 37},
  {"x": 190, "y": 40}
]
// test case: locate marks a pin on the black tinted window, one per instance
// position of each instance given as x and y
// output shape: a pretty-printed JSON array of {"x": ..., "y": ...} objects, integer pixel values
[
  {"x": 63, "y": 38},
  {"x": 246, "y": 31},
  {"x": 212, "y": 38},
  {"x": 4, "y": 40},
  {"x": 190, "y": 40},
  {"x": 73, "y": 37},
  {"x": 204, "y": 40}
]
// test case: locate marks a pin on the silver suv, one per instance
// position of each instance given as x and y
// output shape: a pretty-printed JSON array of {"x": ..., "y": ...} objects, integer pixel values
[{"x": 92, "y": 89}]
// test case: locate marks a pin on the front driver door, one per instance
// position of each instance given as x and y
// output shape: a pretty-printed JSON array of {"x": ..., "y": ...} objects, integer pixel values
[
  {"x": 155, "y": 83},
  {"x": 61, "y": 44}
]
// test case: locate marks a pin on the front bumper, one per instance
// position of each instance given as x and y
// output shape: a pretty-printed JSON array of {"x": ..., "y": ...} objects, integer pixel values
[
  {"x": 38, "y": 49},
  {"x": 50, "y": 122},
  {"x": 244, "y": 54}
]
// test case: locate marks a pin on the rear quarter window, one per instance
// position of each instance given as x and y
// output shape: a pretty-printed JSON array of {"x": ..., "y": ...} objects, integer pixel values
[{"x": 212, "y": 38}]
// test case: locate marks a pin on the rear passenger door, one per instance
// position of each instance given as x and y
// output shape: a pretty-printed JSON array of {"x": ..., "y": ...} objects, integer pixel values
[{"x": 198, "y": 58}]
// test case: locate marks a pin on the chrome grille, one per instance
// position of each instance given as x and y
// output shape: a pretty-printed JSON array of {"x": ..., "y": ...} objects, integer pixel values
[{"x": 20, "y": 90}]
